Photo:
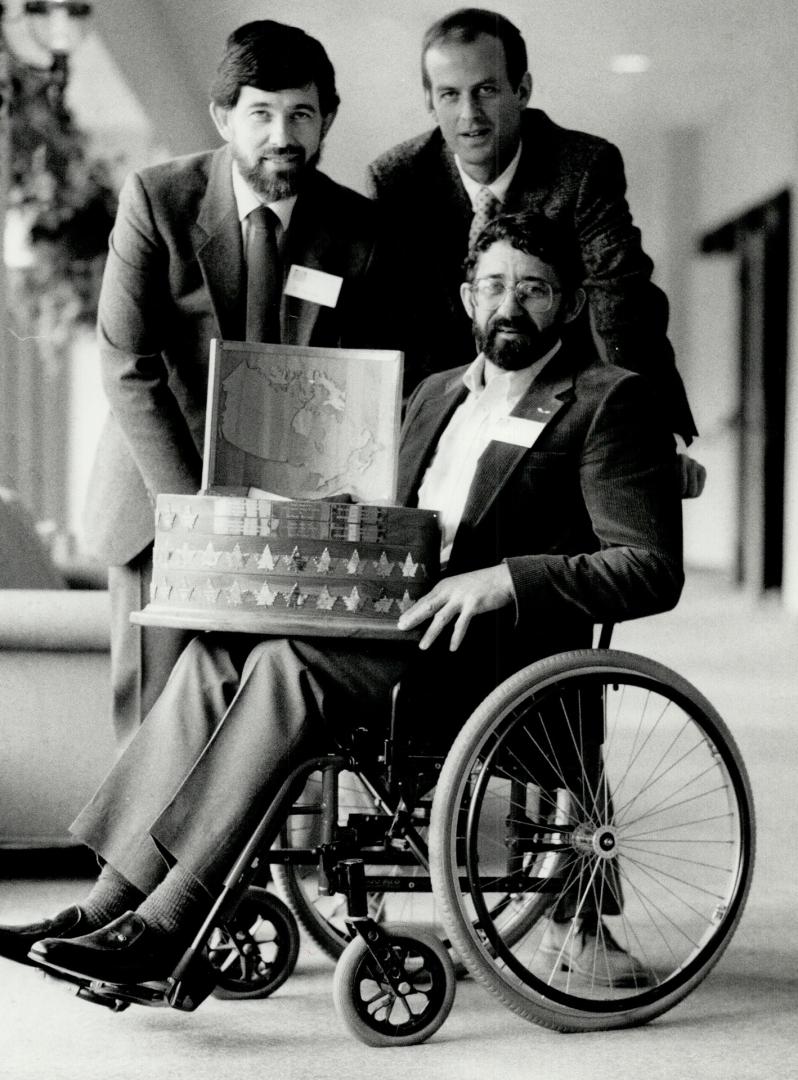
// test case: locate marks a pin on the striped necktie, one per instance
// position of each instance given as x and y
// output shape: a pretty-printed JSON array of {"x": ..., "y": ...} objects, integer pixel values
[
  {"x": 486, "y": 206},
  {"x": 264, "y": 277}
]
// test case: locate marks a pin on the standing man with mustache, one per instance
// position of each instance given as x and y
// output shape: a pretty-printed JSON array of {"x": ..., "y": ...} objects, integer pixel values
[
  {"x": 203, "y": 247},
  {"x": 491, "y": 154}
]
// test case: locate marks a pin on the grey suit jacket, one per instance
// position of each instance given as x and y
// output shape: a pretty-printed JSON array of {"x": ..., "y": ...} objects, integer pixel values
[
  {"x": 173, "y": 280},
  {"x": 588, "y": 518},
  {"x": 576, "y": 179}
]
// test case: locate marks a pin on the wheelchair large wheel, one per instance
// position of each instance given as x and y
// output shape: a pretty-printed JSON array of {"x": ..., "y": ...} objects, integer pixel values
[
  {"x": 607, "y": 784},
  {"x": 377, "y": 1014},
  {"x": 257, "y": 950},
  {"x": 323, "y": 917}
]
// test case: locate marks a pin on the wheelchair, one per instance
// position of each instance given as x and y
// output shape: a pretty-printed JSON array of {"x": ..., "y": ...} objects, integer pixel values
[{"x": 597, "y": 789}]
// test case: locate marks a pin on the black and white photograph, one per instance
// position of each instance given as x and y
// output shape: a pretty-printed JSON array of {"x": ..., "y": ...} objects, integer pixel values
[{"x": 398, "y": 539}]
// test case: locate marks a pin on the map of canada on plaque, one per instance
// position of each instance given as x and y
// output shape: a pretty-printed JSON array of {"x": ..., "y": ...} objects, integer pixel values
[{"x": 303, "y": 422}]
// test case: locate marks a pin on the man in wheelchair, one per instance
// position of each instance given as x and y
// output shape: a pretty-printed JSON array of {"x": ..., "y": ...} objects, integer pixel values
[{"x": 559, "y": 501}]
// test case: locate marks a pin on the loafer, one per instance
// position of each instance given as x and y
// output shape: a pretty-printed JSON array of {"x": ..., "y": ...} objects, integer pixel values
[
  {"x": 126, "y": 951},
  {"x": 593, "y": 956},
  {"x": 16, "y": 941}
]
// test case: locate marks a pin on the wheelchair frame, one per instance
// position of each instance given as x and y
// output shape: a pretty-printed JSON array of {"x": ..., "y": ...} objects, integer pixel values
[{"x": 395, "y": 983}]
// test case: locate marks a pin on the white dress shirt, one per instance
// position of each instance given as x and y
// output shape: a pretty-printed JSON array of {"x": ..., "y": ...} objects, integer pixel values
[
  {"x": 499, "y": 186},
  {"x": 493, "y": 394}
]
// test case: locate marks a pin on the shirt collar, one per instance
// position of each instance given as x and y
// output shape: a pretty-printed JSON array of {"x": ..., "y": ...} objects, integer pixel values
[
  {"x": 498, "y": 186},
  {"x": 247, "y": 200},
  {"x": 482, "y": 371}
]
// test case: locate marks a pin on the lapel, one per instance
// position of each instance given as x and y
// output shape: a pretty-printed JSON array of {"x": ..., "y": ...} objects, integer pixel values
[
  {"x": 448, "y": 187},
  {"x": 219, "y": 248},
  {"x": 542, "y": 402},
  {"x": 532, "y": 177},
  {"x": 421, "y": 436},
  {"x": 309, "y": 242},
  {"x": 449, "y": 213}
]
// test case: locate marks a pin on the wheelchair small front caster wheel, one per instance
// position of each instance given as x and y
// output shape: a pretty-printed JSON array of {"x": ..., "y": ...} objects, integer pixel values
[
  {"x": 380, "y": 1014},
  {"x": 257, "y": 950}
]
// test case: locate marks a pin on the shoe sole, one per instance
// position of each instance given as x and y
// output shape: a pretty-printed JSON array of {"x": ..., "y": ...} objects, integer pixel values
[{"x": 82, "y": 978}]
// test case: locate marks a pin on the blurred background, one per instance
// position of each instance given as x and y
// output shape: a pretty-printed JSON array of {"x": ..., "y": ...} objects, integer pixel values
[{"x": 702, "y": 100}]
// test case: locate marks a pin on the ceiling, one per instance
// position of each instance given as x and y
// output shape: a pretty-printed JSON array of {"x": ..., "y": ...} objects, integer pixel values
[{"x": 703, "y": 55}]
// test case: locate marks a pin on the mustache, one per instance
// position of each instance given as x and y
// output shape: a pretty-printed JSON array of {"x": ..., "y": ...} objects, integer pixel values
[
  {"x": 518, "y": 325},
  {"x": 287, "y": 154}
]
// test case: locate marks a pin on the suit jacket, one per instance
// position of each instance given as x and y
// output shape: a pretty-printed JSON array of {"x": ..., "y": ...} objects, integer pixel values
[
  {"x": 574, "y": 178},
  {"x": 588, "y": 519},
  {"x": 174, "y": 279}
]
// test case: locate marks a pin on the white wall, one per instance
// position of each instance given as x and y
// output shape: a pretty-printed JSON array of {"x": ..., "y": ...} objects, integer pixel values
[{"x": 747, "y": 155}]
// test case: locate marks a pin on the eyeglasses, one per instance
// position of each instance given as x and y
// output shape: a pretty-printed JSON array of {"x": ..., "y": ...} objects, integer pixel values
[{"x": 533, "y": 294}]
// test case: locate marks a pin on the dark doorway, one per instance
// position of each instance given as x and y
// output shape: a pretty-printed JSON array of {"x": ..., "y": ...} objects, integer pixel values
[{"x": 760, "y": 241}]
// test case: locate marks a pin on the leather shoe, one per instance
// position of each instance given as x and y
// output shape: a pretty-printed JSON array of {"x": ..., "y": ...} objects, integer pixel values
[
  {"x": 126, "y": 951},
  {"x": 592, "y": 954},
  {"x": 16, "y": 941}
]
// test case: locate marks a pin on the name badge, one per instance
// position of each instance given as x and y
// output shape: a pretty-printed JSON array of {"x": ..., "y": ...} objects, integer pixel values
[
  {"x": 517, "y": 430},
  {"x": 314, "y": 285}
]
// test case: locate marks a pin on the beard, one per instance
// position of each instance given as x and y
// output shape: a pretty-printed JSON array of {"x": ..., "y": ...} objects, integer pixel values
[
  {"x": 271, "y": 185},
  {"x": 515, "y": 353}
]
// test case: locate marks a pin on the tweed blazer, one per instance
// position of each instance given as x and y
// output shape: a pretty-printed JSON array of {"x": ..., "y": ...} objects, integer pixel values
[
  {"x": 174, "y": 279},
  {"x": 575, "y": 178},
  {"x": 588, "y": 519}
]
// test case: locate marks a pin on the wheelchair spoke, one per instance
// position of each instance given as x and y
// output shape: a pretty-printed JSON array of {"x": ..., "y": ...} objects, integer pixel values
[{"x": 620, "y": 801}]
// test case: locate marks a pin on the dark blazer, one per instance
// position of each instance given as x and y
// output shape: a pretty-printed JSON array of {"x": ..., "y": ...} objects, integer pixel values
[
  {"x": 173, "y": 280},
  {"x": 588, "y": 518},
  {"x": 574, "y": 178}
]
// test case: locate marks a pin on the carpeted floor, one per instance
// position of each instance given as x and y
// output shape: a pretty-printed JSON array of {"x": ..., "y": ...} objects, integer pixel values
[{"x": 742, "y": 1023}]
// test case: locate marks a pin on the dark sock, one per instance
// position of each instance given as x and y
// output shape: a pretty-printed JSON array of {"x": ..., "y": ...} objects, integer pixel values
[
  {"x": 176, "y": 906},
  {"x": 112, "y": 895}
]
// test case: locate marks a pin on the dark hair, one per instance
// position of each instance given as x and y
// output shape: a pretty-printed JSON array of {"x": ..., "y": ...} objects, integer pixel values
[
  {"x": 272, "y": 56},
  {"x": 466, "y": 25},
  {"x": 536, "y": 235}
]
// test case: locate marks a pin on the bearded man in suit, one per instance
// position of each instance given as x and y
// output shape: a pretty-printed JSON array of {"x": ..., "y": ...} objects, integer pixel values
[
  {"x": 558, "y": 495},
  {"x": 177, "y": 276},
  {"x": 491, "y": 154}
]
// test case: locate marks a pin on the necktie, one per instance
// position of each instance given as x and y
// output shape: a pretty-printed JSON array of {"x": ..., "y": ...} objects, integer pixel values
[
  {"x": 264, "y": 277},
  {"x": 486, "y": 206}
]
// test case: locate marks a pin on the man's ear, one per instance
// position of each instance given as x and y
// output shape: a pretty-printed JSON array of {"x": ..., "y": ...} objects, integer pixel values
[
  {"x": 574, "y": 305},
  {"x": 220, "y": 118},
  {"x": 524, "y": 90},
  {"x": 467, "y": 298},
  {"x": 327, "y": 122}
]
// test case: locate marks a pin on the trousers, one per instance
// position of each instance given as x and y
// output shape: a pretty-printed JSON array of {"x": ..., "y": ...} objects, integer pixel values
[
  {"x": 142, "y": 657},
  {"x": 235, "y": 718},
  {"x": 231, "y": 722}
]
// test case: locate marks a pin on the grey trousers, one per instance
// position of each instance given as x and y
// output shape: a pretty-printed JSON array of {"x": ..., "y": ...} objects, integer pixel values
[
  {"x": 231, "y": 722},
  {"x": 142, "y": 657}
]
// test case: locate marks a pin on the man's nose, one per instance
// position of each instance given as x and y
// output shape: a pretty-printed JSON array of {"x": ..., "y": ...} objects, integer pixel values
[
  {"x": 509, "y": 304},
  {"x": 279, "y": 131},
  {"x": 470, "y": 107}
]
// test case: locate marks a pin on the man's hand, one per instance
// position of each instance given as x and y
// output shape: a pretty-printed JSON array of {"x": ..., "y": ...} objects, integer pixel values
[
  {"x": 459, "y": 598},
  {"x": 694, "y": 476}
]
